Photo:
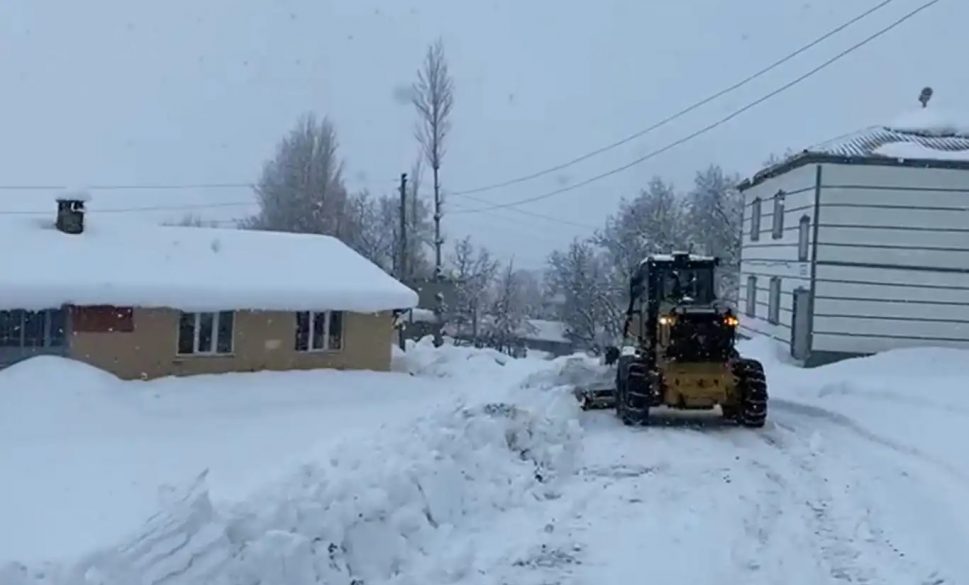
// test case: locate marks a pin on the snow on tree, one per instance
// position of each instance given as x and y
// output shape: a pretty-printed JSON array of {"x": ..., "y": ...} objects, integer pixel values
[
  {"x": 372, "y": 228},
  {"x": 532, "y": 295},
  {"x": 301, "y": 189},
  {"x": 508, "y": 311},
  {"x": 473, "y": 271},
  {"x": 715, "y": 218},
  {"x": 590, "y": 311}
]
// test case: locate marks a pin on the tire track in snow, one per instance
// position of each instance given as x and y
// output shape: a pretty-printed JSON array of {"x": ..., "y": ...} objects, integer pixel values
[
  {"x": 853, "y": 543},
  {"x": 850, "y": 424}
]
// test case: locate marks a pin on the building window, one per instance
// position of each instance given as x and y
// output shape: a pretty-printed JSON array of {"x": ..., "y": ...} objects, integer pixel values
[
  {"x": 319, "y": 331},
  {"x": 34, "y": 329},
  {"x": 774, "y": 306},
  {"x": 777, "y": 227},
  {"x": 751, "y": 296},
  {"x": 755, "y": 220},
  {"x": 206, "y": 333},
  {"x": 803, "y": 238}
]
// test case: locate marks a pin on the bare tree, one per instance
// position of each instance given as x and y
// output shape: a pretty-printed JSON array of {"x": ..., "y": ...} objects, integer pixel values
[
  {"x": 508, "y": 311},
  {"x": 433, "y": 97},
  {"x": 716, "y": 210},
  {"x": 301, "y": 189},
  {"x": 591, "y": 309},
  {"x": 420, "y": 228},
  {"x": 474, "y": 273},
  {"x": 371, "y": 226}
]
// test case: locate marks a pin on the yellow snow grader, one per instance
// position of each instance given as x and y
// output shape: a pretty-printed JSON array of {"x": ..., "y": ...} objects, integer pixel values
[{"x": 679, "y": 348}]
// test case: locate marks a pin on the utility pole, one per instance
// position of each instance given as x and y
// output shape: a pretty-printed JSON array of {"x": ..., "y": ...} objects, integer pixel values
[
  {"x": 438, "y": 268},
  {"x": 402, "y": 267},
  {"x": 403, "y": 229}
]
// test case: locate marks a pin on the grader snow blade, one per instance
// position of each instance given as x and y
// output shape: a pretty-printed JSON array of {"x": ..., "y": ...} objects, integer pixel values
[{"x": 596, "y": 399}]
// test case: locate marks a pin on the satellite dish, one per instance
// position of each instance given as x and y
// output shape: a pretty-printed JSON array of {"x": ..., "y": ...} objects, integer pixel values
[{"x": 925, "y": 96}]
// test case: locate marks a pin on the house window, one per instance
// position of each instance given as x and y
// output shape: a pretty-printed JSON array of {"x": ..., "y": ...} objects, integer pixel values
[
  {"x": 774, "y": 306},
  {"x": 206, "y": 333},
  {"x": 319, "y": 331},
  {"x": 777, "y": 227},
  {"x": 803, "y": 236},
  {"x": 755, "y": 220},
  {"x": 35, "y": 329},
  {"x": 751, "y": 296}
]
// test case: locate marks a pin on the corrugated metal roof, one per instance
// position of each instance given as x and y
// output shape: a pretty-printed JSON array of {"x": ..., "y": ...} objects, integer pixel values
[
  {"x": 859, "y": 147},
  {"x": 865, "y": 142}
]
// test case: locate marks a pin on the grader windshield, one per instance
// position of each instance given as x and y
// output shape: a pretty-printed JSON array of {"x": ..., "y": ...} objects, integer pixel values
[{"x": 692, "y": 284}]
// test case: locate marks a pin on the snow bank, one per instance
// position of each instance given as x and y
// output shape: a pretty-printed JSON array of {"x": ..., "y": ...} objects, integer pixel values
[
  {"x": 195, "y": 269},
  {"x": 374, "y": 487},
  {"x": 911, "y": 150},
  {"x": 915, "y": 400},
  {"x": 83, "y": 454},
  {"x": 932, "y": 121},
  {"x": 380, "y": 510}
]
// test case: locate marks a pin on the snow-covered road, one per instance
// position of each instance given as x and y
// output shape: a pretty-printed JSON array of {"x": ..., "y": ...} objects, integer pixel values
[
  {"x": 857, "y": 478},
  {"x": 809, "y": 500}
]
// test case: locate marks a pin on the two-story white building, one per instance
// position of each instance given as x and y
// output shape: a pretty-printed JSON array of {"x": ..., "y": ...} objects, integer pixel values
[{"x": 860, "y": 245}]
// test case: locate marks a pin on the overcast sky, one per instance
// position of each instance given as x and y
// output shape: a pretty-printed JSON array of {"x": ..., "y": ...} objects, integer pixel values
[{"x": 193, "y": 91}]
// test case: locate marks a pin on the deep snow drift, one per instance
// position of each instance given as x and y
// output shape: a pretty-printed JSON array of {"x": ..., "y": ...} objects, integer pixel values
[
  {"x": 406, "y": 460},
  {"x": 467, "y": 466}
]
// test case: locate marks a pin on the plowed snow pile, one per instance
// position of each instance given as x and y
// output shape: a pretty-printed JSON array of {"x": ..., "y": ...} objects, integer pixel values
[{"x": 386, "y": 504}]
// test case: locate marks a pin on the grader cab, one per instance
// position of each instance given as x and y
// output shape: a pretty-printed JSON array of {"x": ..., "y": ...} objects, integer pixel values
[{"x": 679, "y": 348}]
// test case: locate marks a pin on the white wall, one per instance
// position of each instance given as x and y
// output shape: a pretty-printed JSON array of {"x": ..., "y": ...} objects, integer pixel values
[
  {"x": 770, "y": 257},
  {"x": 893, "y": 259}
]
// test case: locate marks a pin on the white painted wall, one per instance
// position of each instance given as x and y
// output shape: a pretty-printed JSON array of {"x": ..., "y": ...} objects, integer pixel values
[
  {"x": 893, "y": 259},
  {"x": 769, "y": 257}
]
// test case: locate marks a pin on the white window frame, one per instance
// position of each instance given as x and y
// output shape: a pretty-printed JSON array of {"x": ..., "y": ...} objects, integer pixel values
[
  {"x": 774, "y": 302},
  {"x": 311, "y": 320},
  {"x": 777, "y": 225},
  {"x": 755, "y": 211},
  {"x": 196, "y": 330},
  {"x": 804, "y": 238},
  {"x": 751, "y": 308}
]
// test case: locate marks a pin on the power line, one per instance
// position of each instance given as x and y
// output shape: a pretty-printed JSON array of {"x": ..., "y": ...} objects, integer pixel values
[
  {"x": 533, "y": 214},
  {"x": 682, "y": 112},
  {"x": 714, "y": 125}
]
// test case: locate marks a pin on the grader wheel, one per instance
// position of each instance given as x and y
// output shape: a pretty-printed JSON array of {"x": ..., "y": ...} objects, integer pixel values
[{"x": 752, "y": 384}]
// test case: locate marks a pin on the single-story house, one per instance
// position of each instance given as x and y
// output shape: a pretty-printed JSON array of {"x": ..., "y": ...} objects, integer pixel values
[
  {"x": 861, "y": 244},
  {"x": 144, "y": 301}
]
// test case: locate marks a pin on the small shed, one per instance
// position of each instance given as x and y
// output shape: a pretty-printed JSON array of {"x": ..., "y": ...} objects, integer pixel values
[
  {"x": 546, "y": 336},
  {"x": 861, "y": 244}
]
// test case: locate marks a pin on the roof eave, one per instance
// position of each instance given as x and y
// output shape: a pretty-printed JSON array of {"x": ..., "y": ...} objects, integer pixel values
[{"x": 808, "y": 157}]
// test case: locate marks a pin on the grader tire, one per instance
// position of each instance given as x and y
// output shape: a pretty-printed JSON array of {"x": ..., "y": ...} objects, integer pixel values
[
  {"x": 753, "y": 393},
  {"x": 631, "y": 379}
]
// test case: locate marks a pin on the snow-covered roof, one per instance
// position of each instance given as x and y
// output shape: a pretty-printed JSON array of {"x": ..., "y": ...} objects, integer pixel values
[
  {"x": 188, "y": 268},
  {"x": 927, "y": 135},
  {"x": 670, "y": 258},
  {"x": 419, "y": 315},
  {"x": 544, "y": 330},
  {"x": 871, "y": 142}
]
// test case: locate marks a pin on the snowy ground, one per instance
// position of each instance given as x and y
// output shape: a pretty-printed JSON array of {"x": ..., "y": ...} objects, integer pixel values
[{"x": 479, "y": 469}]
